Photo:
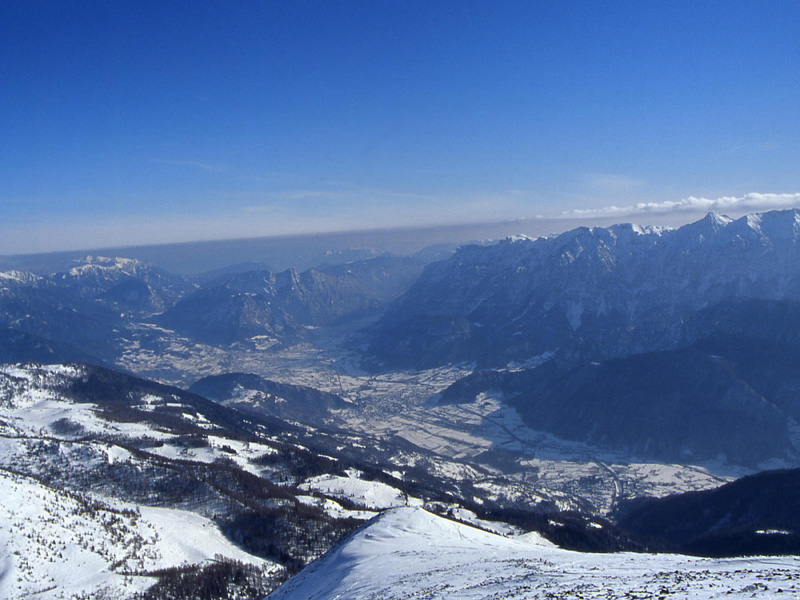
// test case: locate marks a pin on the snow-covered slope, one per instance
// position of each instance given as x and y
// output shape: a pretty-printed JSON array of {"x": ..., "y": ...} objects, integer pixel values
[
  {"x": 369, "y": 494},
  {"x": 111, "y": 483},
  {"x": 409, "y": 553},
  {"x": 59, "y": 544}
]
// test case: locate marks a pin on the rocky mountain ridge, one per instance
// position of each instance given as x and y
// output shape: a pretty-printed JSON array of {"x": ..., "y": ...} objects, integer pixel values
[
  {"x": 238, "y": 306},
  {"x": 590, "y": 293}
]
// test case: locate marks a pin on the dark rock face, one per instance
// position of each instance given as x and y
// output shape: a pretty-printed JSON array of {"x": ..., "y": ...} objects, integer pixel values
[
  {"x": 20, "y": 347},
  {"x": 133, "y": 294},
  {"x": 732, "y": 392},
  {"x": 590, "y": 293},
  {"x": 759, "y": 514},
  {"x": 221, "y": 315},
  {"x": 38, "y": 307},
  {"x": 683, "y": 405}
]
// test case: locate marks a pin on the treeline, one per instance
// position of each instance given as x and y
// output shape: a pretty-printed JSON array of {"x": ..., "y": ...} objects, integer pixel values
[
  {"x": 222, "y": 580},
  {"x": 291, "y": 535}
]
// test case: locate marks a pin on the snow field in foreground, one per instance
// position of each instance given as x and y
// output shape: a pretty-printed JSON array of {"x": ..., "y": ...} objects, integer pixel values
[
  {"x": 57, "y": 545},
  {"x": 410, "y": 553}
]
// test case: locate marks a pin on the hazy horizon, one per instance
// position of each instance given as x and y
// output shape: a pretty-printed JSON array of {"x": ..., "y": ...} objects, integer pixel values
[
  {"x": 143, "y": 123},
  {"x": 303, "y": 251}
]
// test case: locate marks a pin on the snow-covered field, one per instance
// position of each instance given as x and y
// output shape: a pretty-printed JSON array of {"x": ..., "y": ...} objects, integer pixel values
[
  {"x": 409, "y": 553},
  {"x": 369, "y": 494}
]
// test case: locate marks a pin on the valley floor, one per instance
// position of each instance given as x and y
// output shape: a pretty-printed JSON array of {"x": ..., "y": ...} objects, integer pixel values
[{"x": 485, "y": 433}]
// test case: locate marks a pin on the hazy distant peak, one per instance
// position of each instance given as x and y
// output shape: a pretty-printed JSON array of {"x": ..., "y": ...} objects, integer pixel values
[
  {"x": 104, "y": 263},
  {"x": 639, "y": 230},
  {"x": 110, "y": 261},
  {"x": 715, "y": 219},
  {"x": 769, "y": 228},
  {"x": 521, "y": 237},
  {"x": 23, "y": 277},
  {"x": 778, "y": 224},
  {"x": 706, "y": 229}
]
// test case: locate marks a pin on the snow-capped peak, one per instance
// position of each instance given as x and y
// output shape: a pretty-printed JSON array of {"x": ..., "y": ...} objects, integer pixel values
[
  {"x": 105, "y": 263},
  {"x": 23, "y": 277},
  {"x": 521, "y": 237},
  {"x": 716, "y": 220}
]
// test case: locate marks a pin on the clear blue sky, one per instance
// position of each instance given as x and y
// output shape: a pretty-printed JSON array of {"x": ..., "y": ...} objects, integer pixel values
[{"x": 137, "y": 122}]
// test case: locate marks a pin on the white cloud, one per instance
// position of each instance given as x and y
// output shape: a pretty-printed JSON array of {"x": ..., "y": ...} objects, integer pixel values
[{"x": 732, "y": 204}]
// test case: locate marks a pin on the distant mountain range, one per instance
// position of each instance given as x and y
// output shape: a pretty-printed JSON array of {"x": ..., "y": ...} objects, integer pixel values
[
  {"x": 603, "y": 357},
  {"x": 239, "y": 306},
  {"x": 92, "y": 306},
  {"x": 585, "y": 295},
  {"x": 693, "y": 334},
  {"x": 124, "y": 284},
  {"x": 673, "y": 345},
  {"x": 590, "y": 294}
]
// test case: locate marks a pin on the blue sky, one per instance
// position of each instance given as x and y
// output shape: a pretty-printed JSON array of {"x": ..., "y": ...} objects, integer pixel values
[{"x": 137, "y": 122}]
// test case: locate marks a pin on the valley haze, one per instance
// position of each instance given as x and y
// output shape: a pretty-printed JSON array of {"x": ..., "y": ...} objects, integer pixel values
[{"x": 307, "y": 250}]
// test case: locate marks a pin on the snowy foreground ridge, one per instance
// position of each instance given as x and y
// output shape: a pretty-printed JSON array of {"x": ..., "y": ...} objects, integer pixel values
[{"x": 410, "y": 553}]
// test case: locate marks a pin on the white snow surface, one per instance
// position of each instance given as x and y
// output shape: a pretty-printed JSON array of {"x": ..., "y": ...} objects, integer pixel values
[
  {"x": 61, "y": 545},
  {"x": 368, "y": 494},
  {"x": 336, "y": 510},
  {"x": 410, "y": 553},
  {"x": 68, "y": 544}
]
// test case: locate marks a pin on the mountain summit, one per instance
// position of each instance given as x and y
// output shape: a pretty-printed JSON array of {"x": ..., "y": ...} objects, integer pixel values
[{"x": 409, "y": 553}]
